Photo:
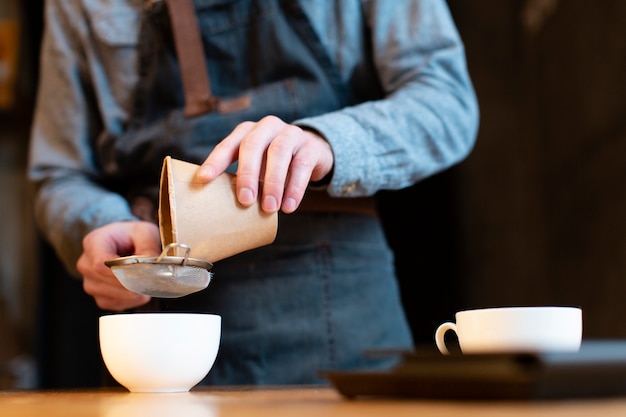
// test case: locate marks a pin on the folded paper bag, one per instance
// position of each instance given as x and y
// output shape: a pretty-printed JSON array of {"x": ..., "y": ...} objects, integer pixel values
[{"x": 207, "y": 216}]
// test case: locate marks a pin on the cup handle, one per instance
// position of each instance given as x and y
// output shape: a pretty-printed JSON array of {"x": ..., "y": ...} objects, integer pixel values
[{"x": 439, "y": 336}]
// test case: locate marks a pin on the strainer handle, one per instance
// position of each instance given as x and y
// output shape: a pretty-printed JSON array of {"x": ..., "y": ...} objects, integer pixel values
[{"x": 173, "y": 246}]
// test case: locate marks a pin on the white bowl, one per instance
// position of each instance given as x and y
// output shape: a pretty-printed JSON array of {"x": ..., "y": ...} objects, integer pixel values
[{"x": 159, "y": 352}]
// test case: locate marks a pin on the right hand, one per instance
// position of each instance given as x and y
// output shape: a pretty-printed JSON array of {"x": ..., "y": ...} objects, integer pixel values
[
  {"x": 281, "y": 156},
  {"x": 109, "y": 242}
]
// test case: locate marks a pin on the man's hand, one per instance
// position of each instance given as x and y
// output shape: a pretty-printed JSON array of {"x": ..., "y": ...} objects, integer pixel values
[
  {"x": 109, "y": 242},
  {"x": 283, "y": 157}
]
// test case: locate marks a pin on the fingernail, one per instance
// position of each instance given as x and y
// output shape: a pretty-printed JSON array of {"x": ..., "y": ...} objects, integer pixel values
[
  {"x": 270, "y": 204},
  {"x": 289, "y": 205},
  {"x": 246, "y": 196}
]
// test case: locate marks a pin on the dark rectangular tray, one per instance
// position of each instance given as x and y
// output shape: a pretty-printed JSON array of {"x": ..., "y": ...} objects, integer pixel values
[{"x": 597, "y": 370}]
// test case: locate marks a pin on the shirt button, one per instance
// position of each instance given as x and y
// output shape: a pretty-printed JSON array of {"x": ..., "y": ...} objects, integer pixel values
[{"x": 348, "y": 189}]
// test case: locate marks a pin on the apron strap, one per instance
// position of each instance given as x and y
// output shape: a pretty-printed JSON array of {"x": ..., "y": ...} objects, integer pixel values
[{"x": 193, "y": 66}]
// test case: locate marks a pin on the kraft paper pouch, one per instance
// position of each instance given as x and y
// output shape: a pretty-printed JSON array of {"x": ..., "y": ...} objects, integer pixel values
[{"x": 207, "y": 216}]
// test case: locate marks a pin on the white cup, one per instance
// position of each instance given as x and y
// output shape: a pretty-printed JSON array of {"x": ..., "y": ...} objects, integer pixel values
[
  {"x": 514, "y": 329},
  {"x": 159, "y": 352}
]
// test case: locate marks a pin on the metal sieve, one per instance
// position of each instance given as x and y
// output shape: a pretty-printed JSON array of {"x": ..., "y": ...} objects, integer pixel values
[{"x": 163, "y": 276}]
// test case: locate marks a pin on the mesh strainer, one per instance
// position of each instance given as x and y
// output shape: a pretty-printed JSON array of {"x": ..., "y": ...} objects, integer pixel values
[{"x": 163, "y": 276}]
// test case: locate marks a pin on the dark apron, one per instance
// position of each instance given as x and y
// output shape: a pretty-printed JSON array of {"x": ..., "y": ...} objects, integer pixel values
[
  {"x": 264, "y": 50},
  {"x": 325, "y": 290}
]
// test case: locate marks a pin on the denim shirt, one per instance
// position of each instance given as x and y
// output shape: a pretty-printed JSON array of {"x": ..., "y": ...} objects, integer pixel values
[{"x": 425, "y": 122}]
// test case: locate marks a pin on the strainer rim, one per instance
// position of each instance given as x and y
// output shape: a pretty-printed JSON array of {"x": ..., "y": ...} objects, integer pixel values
[{"x": 158, "y": 260}]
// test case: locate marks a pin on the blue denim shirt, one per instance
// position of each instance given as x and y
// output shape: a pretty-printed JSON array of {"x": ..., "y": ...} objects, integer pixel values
[{"x": 426, "y": 122}]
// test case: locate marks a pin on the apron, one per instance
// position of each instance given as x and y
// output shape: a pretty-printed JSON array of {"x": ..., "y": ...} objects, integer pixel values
[
  {"x": 325, "y": 290},
  {"x": 264, "y": 51}
]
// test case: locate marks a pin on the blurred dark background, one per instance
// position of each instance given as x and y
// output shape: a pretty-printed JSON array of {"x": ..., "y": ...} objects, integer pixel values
[{"x": 535, "y": 215}]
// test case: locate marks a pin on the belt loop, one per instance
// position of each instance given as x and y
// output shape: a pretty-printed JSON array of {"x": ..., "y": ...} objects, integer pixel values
[{"x": 190, "y": 52}]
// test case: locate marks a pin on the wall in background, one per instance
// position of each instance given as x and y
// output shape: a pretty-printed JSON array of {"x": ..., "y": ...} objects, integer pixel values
[
  {"x": 20, "y": 29},
  {"x": 539, "y": 207},
  {"x": 537, "y": 212}
]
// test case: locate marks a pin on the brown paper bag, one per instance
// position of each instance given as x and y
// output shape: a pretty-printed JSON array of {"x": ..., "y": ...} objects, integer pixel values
[{"x": 207, "y": 217}]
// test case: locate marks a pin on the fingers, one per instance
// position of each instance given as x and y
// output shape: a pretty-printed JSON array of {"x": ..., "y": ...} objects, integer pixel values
[
  {"x": 110, "y": 295},
  {"x": 103, "y": 286},
  {"x": 252, "y": 157},
  {"x": 282, "y": 142},
  {"x": 293, "y": 158},
  {"x": 247, "y": 143},
  {"x": 281, "y": 157},
  {"x": 108, "y": 242},
  {"x": 224, "y": 153},
  {"x": 146, "y": 239},
  {"x": 290, "y": 162}
]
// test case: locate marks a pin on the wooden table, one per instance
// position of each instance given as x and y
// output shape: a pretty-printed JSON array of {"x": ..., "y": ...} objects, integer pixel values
[{"x": 287, "y": 401}]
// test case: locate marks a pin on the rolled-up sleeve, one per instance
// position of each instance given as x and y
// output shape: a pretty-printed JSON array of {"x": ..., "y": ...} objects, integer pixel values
[
  {"x": 69, "y": 201},
  {"x": 428, "y": 118}
]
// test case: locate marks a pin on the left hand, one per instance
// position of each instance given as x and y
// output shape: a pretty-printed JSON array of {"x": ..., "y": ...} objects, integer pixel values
[
  {"x": 284, "y": 157},
  {"x": 111, "y": 241}
]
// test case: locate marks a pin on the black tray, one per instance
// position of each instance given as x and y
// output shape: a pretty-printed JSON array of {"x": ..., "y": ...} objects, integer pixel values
[{"x": 597, "y": 370}]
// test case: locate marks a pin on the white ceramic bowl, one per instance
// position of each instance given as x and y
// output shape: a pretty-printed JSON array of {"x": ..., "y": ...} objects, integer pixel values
[{"x": 159, "y": 352}]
